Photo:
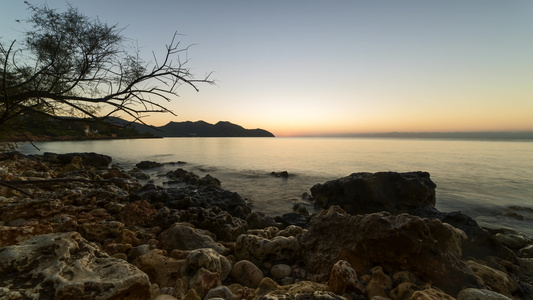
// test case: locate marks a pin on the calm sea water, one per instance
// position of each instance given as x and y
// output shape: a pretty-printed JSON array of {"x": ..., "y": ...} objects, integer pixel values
[{"x": 484, "y": 179}]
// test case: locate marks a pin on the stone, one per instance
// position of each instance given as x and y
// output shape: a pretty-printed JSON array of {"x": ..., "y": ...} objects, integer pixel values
[
  {"x": 258, "y": 249},
  {"x": 449, "y": 237},
  {"x": 88, "y": 159},
  {"x": 66, "y": 266},
  {"x": 404, "y": 290},
  {"x": 266, "y": 286},
  {"x": 280, "y": 271},
  {"x": 498, "y": 281},
  {"x": 246, "y": 273},
  {"x": 344, "y": 278},
  {"x": 203, "y": 281},
  {"x": 394, "y": 242},
  {"x": 165, "y": 297},
  {"x": 431, "y": 294},
  {"x": 209, "y": 259},
  {"x": 184, "y": 237},
  {"x": 10, "y": 235},
  {"x": 526, "y": 252},
  {"x": 258, "y": 220},
  {"x": 512, "y": 240},
  {"x": 479, "y": 294},
  {"x": 220, "y": 222},
  {"x": 100, "y": 231},
  {"x": 162, "y": 270},
  {"x": 181, "y": 175},
  {"x": 138, "y": 213},
  {"x": 363, "y": 193},
  {"x": 145, "y": 164},
  {"x": 380, "y": 284},
  {"x": 241, "y": 292},
  {"x": 220, "y": 292}
]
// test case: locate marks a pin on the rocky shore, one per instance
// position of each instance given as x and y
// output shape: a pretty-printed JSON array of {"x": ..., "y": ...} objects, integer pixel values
[{"x": 75, "y": 226}]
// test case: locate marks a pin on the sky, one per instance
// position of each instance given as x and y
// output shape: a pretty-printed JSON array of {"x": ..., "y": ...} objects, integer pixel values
[{"x": 334, "y": 67}]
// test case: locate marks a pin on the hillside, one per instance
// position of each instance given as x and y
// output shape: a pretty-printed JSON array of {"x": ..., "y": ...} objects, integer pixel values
[{"x": 201, "y": 129}]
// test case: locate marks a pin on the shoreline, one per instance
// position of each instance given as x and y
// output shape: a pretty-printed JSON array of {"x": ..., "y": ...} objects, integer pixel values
[{"x": 79, "y": 199}]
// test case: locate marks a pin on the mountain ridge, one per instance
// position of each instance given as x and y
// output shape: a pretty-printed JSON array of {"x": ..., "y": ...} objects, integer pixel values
[{"x": 201, "y": 129}]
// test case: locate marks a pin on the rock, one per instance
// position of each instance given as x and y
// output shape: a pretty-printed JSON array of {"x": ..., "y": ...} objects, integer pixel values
[
  {"x": 266, "y": 286},
  {"x": 209, "y": 259},
  {"x": 241, "y": 292},
  {"x": 344, "y": 278},
  {"x": 203, "y": 281},
  {"x": 220, "y": 222},
  {"x": 165, "y": 297},
  {"x": 526, "y": 252},
  {"x": 283, "y": 174},
  {"x": 379, "y": 285},
  {"x": 292, "y": 219},
  {"x": 66, "y": 266},
  {"x": 164, "y": 271},
  {"x": 99, "y": 232},
  {"x": 512, "y": 240},
  {"x": 138, "y": 174},
  {"x": 404, "y": 290},
  {"x": 307, "y": 287},
  {"x": 498, "y": 281},
  {"x": 10, "y": 235},
  {"x": 180, "y": 175},
  {"x": 145, "y": 164},
  {"x": 450, "y": 238},
  {"x": 246, "y": 273},
  {"x": 139, "y": 213},
  {"x": 182, "y": 236},
  {"x": 258, "y": 249},
  {"x": 395, "y": 242},
  {"x": 479, "y": 294},
  {"x": 363, "y": 193},
  {"x": 220, "y": 292},
  {"x": 280, "y": 271},
  {"x": 195, "y": 196},
  {"x": 431, "y": 294},
  {"x": 258, "y": 220},
  {"x": 89, "y": 159}
]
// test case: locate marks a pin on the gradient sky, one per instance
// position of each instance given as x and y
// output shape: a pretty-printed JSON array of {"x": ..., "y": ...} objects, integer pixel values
[{"x": 320, "y": 67}]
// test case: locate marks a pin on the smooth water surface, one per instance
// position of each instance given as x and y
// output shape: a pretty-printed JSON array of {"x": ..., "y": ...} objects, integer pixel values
[{"x": 481, "y": 178}]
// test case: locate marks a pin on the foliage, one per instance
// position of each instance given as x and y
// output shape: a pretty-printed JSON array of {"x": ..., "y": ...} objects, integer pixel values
[{"x": 73, "y": 65}]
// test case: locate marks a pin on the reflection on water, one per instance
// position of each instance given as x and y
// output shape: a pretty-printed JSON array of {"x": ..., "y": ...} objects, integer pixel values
[{"x": 480, "y": 178}]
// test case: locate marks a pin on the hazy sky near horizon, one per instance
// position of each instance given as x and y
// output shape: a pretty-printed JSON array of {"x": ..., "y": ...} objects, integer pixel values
[{"x": 318, "y": 67}]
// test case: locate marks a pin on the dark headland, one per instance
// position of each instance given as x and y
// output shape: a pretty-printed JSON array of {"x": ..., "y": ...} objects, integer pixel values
[{"x": 201, "y": 129}]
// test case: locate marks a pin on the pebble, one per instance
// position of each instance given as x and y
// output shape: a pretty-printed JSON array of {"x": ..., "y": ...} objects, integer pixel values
[{"x": 280, "y": 271}]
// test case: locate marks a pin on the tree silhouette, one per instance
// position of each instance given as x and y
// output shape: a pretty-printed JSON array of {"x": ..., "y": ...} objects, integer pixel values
[{"x": 73, "y": 65}]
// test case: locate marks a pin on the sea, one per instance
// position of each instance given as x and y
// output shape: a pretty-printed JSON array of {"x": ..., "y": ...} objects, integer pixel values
[{"x": 489, "y": 180}]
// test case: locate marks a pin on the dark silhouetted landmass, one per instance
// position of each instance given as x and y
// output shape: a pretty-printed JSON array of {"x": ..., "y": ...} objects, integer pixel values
[{"x": 201, "y": 129}]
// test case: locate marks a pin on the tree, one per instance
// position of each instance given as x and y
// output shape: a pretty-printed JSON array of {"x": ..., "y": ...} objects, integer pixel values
[{"x": 73, "y": 65}]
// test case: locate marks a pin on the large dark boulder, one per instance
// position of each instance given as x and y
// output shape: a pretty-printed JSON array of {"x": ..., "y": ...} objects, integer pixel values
[
  {"x": 426, "y": 247},
  {"x": 363, "y": 193},
  {"x": 88, "y": 159}
]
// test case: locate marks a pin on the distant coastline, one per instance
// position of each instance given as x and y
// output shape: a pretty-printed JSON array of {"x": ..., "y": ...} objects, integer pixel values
[{"x": 485, "y": 135}]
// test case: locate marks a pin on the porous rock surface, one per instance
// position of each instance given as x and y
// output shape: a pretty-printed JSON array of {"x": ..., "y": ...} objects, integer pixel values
[{"x": 72, "y": 227}]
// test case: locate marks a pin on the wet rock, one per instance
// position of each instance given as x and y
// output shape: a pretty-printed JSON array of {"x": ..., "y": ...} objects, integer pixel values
[
  {"x": 292, "y": 219},
  {"x": 184, "y": 237},
  {"x": 181, "y": 175},
  {"x": 138, "y": 174},
  {"x": 66, "y": 266},
  {"x": 162, "y": 270},
  {"x": 197, "y": 196},
  {"x": 258, "y": 220},
  {"x": 512, "y": 240},
  {"x": 220, "y": 222},
  {"x": 362, "y": 193},
  {"x": 498, "y": 281},
  {"x": 395, "y": 242},
  {"x": 527, "y": 251},
  {"x": 88, "y": 159},
  {"x": 258, "y": 249},
  {"x": 209, "y": 259},
  {"x": 145, "y": 164},
  {"x": 246, "y": 273},
  {"x": 283, "y": 174},
  {"x": 344, "y": 278},
  {"x": 479, "y": 294}
]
